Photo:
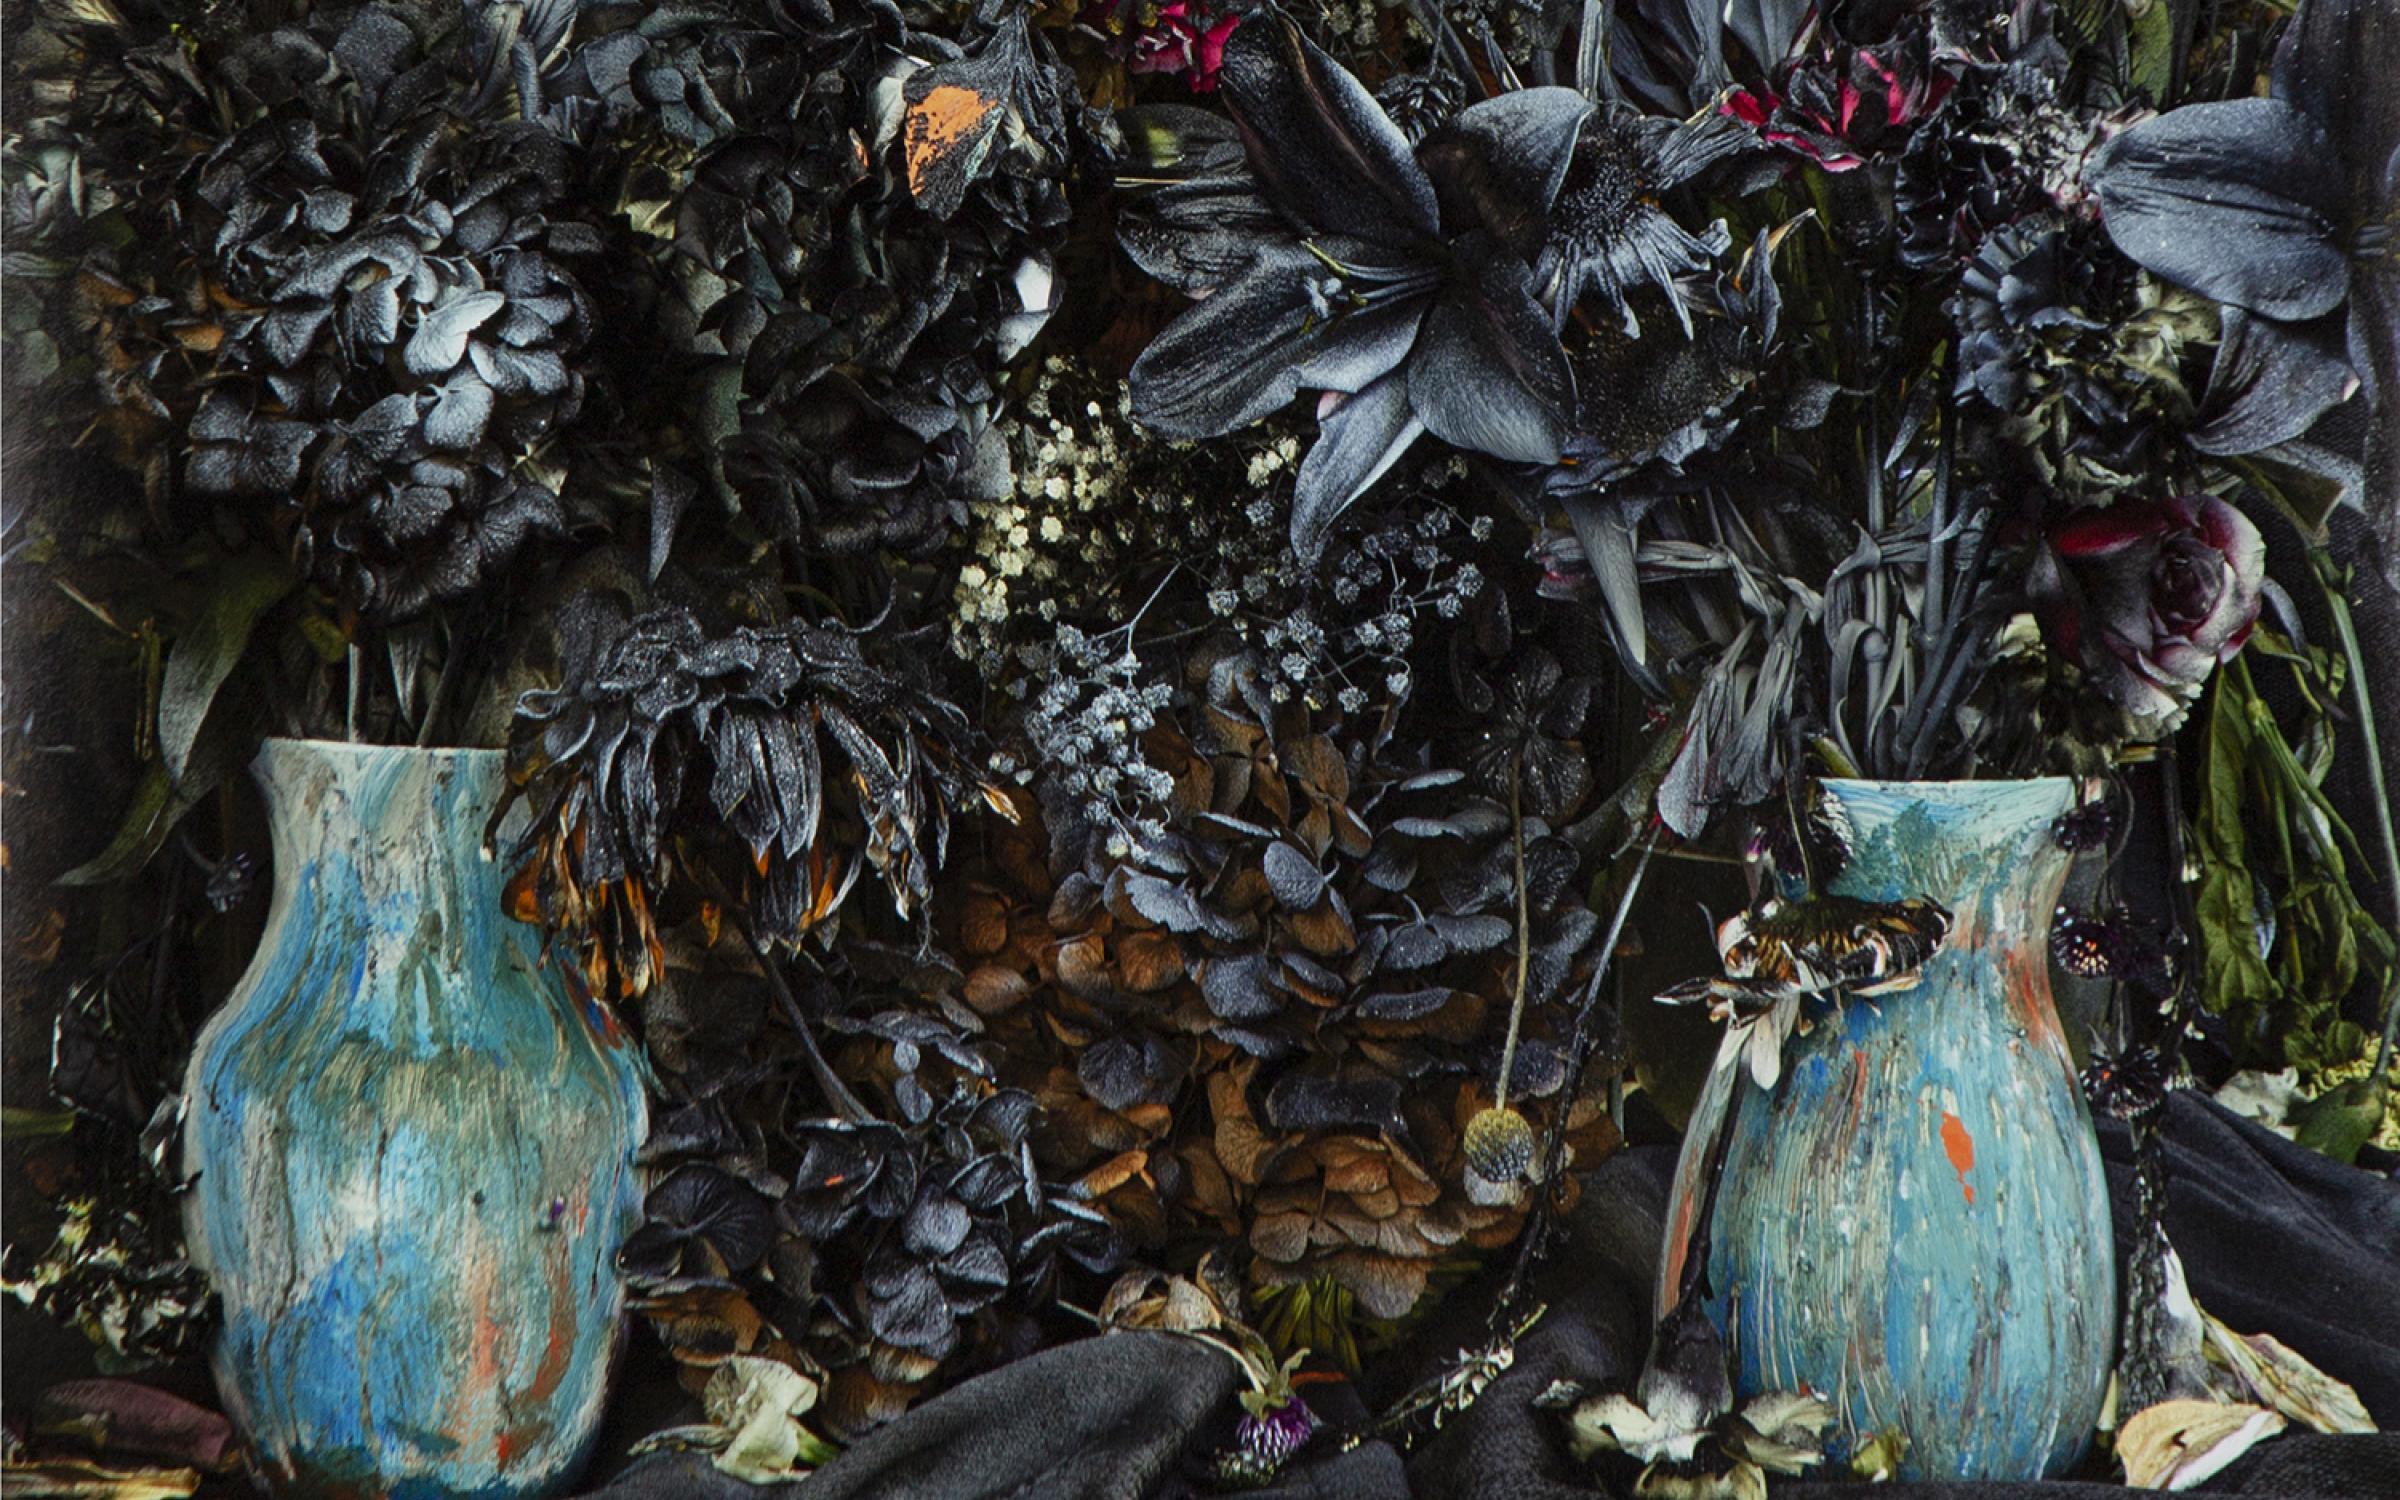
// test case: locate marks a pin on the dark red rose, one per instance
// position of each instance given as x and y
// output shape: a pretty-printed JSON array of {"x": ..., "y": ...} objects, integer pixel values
[{"x": 2150, "y": 595}]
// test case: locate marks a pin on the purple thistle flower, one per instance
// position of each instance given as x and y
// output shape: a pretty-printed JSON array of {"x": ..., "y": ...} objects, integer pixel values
[{"x": 1278, "y": 1434}]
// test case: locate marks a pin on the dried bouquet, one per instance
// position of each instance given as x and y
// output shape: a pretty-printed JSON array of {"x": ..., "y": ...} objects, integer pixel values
[{"x": 1053, "y": 801}]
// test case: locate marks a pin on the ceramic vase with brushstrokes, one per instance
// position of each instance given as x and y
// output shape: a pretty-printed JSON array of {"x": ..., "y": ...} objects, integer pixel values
[
  {"x": 412, "y": 1149},
  {"x": 1914, "y": 1222}
]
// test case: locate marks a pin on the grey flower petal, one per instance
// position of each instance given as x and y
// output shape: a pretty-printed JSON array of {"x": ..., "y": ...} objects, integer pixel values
[{"x": 2234, "y": 201}]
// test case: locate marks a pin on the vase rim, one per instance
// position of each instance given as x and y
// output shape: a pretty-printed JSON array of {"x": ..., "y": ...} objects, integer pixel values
[
  {"x": 1946, "y": 785},
  {"x": 367, "y": 747}
]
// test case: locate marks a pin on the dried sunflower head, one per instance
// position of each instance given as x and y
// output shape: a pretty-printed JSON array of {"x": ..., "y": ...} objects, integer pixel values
[{"x": 751, "y": 768}]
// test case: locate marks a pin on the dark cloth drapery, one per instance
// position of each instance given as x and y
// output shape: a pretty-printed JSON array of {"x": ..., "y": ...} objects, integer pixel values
[{"x": 2274, "y": 1237}]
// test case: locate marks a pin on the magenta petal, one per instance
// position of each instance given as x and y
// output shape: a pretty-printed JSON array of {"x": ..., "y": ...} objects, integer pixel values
[{"x": 2102, "y": 532}]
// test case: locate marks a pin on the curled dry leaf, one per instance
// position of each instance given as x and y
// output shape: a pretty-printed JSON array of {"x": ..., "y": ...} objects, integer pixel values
[{"x": 2177, "y": 1444}]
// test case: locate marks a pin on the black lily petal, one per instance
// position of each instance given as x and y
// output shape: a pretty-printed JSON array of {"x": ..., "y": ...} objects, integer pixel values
[
  {"x": 1488, "y": 374},
  {"x": 1197, "y": 236},
  {"x": 1323, "y": 150},
  {"x": 1498, "y": 166},
  {"x": 2233, "y": 201},
  {"x": 1240, "y": 353},
  {"x": 1356, "y": 443},
  {"x": 2271, "y": 382}
]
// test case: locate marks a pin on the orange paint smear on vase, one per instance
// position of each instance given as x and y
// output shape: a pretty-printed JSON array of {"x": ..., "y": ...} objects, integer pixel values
[{"x": 1960, "y": 1147}]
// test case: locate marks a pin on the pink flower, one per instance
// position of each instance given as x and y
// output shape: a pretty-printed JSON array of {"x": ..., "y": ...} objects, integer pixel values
[
  {"x": 2150, "y": 595},
  {"x": 1841, "y": 104},
  {"x": 1184, "y": 41}
]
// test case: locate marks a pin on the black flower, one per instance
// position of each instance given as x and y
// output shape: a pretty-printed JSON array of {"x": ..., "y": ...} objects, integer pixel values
[
  {"x": 358, "y": 296},
  {"x": 1399, "y": 283},
  {"x": 2082, "y": 357},
  {"x": 2002, "y": 145},
  {"x": 861, "y": 219},
  {"x": 2282, "y": 208},
  {"x": 670, "y": 753}
]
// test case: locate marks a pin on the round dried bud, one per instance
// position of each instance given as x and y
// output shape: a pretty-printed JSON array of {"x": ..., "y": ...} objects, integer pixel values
[{"x": 1499, "y": 1145}]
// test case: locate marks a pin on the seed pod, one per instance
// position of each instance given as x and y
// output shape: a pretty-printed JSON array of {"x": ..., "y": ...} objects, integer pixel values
[{"x": 1499, "y": 1145}]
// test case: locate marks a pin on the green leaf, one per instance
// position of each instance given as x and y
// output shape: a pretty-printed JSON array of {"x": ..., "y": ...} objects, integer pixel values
[
  {"x": 2342, "y": 1119},
  {"x": 2234, "y": 976},
  {"x": 325, "y": 637},
  {"x": 145, "y": 827},
  {"x": 203, "y": 656},
  {"x": 227, "y": 739},
  {"x": 36, "y": 1124},
  {"x": 2150, "y": 48}
]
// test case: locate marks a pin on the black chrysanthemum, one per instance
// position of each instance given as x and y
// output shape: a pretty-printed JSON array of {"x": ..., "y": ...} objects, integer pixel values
[
  {"x": 2000, "y": 147},
  {"x": 765, "y": 765}
]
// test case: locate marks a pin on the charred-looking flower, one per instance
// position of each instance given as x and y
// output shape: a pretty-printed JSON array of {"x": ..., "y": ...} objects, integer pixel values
[
  {"x": 1419, "y": 290},
  {"x": 1609, "y": 233},
  {"x": 864, "y": 239},
  {"x": 1839, "y": 103},
  {"x": 2082, "y": 355},
  {"x": 1400, "y": 283},
  {"x": 2129, "y": 1085},
  {"x": 670, "y": 753},
  {"x": 2148, "y": 596},
  {"x": 2001, "y": 146},
  {"x": 2284, "y": 209},
  {"x": 354, "y": 303},
  {"x": 1786, "y": 953}
]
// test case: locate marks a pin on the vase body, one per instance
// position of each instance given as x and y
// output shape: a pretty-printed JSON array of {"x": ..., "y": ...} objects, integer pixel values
[
  {"x": 412, "y": 1149},
  {"x": 1914, "y": 1222}
]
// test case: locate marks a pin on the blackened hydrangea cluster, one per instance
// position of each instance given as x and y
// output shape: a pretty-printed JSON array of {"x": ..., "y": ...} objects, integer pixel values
[{"x": 344, "y": 288}]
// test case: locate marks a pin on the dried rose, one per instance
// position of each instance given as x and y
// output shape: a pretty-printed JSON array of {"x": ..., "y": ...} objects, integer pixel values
[{"x": 2150, "y": 595}]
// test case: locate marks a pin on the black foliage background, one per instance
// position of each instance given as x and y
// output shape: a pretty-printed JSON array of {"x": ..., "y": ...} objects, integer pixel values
[{"x": 1060, "y": 582}]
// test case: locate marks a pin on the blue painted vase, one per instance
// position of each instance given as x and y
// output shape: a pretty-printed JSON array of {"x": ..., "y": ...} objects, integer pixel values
[
  {"x": 413, "y": 1150},
  {"x": 1914, "y": 1222}
]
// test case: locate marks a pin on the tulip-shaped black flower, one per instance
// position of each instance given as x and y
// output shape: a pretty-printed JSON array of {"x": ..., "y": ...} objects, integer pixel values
[
  {"x": 2282, "y": 209},
  {"x": 1402, "y": 284}
]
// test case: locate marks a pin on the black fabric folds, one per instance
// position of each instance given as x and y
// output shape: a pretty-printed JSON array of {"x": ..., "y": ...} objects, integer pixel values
[{"x": 2274, "y": 1238}]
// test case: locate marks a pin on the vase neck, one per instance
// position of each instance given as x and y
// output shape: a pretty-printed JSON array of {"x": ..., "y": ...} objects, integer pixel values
[
  {"x": 395, "y": 828},
  {"x": 1984, "y": 849}
]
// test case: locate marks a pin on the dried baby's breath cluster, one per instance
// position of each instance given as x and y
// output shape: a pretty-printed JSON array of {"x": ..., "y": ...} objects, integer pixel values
[
  {"x": 1380, "y": 584},
  {"x": 1085, "y": 728},
  {"x": 1099, "y": 511}
]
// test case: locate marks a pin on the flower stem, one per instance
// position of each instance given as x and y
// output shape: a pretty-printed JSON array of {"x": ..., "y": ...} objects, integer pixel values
[
  {"x": 836, "y": 1092},
  {"x": 2339, "y": 608},
  {"x": 1516, "y": 1004}
]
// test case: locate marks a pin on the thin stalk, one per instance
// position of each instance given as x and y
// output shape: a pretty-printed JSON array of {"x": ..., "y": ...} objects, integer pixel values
[
  {"x": 836, "y": 1092},
  {"x": 441, "y": 692},
  {"x": 1516, "y": 1003},
  {"x": 1530, "y": 1245},
  {"x": 1578, "y": 1045},
  {"x": 350, "y": 700},
  {"x": 2339, "y": 608},
  {"x": 1937, "y": 536}
]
